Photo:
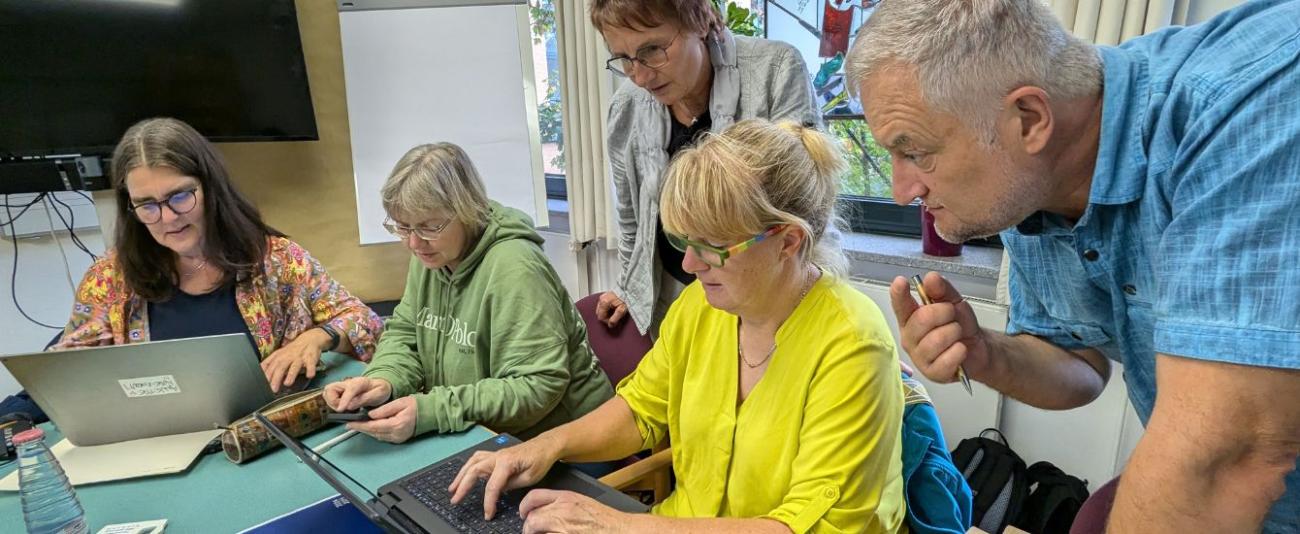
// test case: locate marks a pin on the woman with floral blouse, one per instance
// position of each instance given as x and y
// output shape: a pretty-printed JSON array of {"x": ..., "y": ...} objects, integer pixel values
[{"x": 193, "y": 258}]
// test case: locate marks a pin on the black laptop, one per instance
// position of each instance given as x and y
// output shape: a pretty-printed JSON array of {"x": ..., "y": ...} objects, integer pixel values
[{"x": 419, "y": 502}]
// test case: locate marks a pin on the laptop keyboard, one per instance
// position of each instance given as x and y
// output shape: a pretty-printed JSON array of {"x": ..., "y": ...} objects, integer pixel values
[{"x": 430, "y": 487}]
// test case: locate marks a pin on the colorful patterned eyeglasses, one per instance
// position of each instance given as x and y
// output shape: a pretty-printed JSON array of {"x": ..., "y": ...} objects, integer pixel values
[{"x": 717, "y": 256}]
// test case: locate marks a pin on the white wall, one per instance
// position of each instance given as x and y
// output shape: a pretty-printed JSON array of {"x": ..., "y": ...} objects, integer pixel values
[
  {"x": 43, "y": 288},
  {"x": 564, "y": 261}
]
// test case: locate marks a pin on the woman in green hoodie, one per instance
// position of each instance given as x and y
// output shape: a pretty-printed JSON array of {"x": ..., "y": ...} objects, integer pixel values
[{"x": 485, "y": 332}]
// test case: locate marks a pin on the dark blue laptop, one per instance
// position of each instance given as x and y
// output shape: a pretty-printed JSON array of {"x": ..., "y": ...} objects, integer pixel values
[{"x": 419, "y": 502}]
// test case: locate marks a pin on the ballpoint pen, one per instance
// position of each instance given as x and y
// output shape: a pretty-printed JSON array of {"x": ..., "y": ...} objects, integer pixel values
[{"x": 925, "y": 299}]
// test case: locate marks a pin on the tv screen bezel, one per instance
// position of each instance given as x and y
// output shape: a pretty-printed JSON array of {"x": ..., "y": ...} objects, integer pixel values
[{"x": 104, "y": 150}]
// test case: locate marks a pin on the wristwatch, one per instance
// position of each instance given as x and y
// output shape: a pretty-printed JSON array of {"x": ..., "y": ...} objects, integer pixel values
[{"x": 334, "y": 336}]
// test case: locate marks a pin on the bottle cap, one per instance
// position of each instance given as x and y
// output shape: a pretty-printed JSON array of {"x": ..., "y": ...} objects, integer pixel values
[{"x": 33, "y": 434}]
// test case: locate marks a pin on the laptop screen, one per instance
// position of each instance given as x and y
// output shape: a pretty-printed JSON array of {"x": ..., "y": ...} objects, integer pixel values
[{"x": 348, "y": 487}]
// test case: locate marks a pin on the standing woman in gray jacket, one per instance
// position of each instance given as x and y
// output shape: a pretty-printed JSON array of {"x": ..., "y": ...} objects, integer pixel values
[{"x": 689, "y": 75}]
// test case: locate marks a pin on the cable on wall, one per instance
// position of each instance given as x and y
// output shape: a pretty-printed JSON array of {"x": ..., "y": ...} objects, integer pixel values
[{"x": 13, "y": 273}]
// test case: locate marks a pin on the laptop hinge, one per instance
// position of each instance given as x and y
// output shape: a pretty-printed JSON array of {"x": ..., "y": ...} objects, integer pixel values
[{"x": 394, "y": 519}]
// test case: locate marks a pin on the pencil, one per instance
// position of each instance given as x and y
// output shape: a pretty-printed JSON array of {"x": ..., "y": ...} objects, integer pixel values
[{"x": 925, "y": 299}]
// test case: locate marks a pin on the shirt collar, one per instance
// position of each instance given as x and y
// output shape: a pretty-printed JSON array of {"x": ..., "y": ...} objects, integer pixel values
[
  {"x": 1042, "y": 223},
  {"x": 1120, "y": 171},
  {"x": 724, "y": 98}
]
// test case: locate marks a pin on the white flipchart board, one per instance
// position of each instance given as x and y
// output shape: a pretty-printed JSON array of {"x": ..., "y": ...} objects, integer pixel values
[{"x": 428, "y": 74}]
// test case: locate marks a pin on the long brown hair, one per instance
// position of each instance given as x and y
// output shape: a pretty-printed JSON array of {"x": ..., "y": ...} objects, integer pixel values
[{"x": 235, "y": 238}]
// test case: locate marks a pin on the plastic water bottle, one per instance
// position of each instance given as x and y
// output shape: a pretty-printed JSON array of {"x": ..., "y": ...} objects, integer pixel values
[{"x": 49, "y": 505}]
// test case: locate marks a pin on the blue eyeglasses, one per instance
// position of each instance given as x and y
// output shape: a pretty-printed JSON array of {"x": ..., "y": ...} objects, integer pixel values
[{"x": 180, "y": 202}]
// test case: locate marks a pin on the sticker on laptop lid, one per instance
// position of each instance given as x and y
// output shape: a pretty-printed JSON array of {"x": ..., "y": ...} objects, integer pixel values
[{"x": 150, "y": 386}]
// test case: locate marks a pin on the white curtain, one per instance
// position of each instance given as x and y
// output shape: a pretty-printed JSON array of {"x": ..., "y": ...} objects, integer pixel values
[
  {"x": 1110, "y": 22},
  {"x": 585, "y": 89}
]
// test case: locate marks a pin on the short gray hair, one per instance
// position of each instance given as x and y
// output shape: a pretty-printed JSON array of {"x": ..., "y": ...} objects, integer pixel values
[
  {"x": 968, "y": 54},
  {"x": 437, "y": 177}
]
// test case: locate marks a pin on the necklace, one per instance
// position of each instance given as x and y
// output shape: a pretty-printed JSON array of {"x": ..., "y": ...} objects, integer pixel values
[
  {"x": 741, "y": 351},
  {"x": 692, "y": 122},
  {"x": 196, "y": 270},
  {"x": 760, "y": 362},
  {"x": 695, "y": 116}
]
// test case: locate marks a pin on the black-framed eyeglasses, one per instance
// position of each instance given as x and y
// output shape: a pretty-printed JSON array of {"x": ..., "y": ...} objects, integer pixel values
[
  {"x": 653, "y": 56},
  {"x": 180, "y": 202},
  {"x": 404, "y": 232}
]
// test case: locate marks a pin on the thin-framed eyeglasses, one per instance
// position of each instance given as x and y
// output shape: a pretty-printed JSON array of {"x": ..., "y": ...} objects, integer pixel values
[
  {"x": 717, "y": 256},
  {"x": 653, "y": 56},
  {"x": 180, "y": 202},
  {"x": 404, "y": 231}
]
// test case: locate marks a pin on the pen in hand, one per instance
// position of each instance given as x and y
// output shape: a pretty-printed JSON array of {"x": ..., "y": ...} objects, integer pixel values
[{"x": 925, "y": 299}]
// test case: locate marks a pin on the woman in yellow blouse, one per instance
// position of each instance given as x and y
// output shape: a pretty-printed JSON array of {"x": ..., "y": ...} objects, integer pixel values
[{"x": 777, "y": 381}]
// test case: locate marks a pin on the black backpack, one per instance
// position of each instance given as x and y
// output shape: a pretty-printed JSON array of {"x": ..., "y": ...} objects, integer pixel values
[
  {"x": 1054, "y": 500},
  {"x": 997, "y": 476}
]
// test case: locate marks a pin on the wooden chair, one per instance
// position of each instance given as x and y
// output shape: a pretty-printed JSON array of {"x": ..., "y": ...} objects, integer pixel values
[{"x": 652, "y": 474}]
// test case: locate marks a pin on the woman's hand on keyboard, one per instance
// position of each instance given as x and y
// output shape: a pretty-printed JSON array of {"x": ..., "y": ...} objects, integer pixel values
[
  {"x": 506, "y": 469},
  {"x": 547, "y": 510}
]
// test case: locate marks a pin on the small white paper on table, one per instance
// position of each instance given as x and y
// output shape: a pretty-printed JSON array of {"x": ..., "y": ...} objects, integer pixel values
[{"x": 138, "y": 527}]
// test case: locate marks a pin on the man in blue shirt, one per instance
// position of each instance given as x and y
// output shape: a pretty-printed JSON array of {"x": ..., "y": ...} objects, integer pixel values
[{"x": 1149, "y": 198}]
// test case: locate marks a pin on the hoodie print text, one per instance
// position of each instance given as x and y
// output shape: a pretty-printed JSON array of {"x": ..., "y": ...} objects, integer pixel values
[{"x": 456, "y": 330}]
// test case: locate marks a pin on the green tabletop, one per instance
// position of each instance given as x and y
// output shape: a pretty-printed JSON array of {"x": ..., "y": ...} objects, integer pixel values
[{"x": 215, "y": 495}]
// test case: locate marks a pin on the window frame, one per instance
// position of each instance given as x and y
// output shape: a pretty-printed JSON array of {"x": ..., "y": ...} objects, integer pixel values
[
  {"x": 557, "y": 187},
  {"x": 876, "y": 215}
]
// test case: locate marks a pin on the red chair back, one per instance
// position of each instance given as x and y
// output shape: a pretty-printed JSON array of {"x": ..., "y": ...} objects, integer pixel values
[{"x": 618, "y": 349}]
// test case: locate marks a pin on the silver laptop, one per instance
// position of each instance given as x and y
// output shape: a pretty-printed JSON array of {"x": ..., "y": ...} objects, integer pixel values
[{"x": 116, "y": 393}]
